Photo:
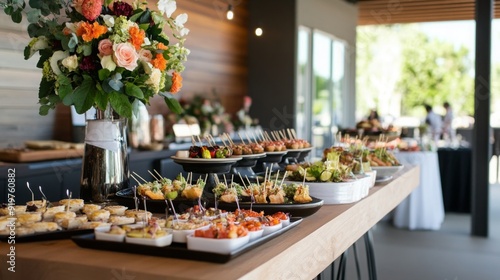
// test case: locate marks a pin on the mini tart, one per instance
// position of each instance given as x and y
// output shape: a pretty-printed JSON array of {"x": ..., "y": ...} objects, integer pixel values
[
  {"x": 116, "y": 230},
  {"x": 27, "y": 218},
  {"x": 144, "y": 233},
  {"x": 48, "y": 215},
  {"x": 18, "y": 209},
  {"x": 20, "y": 231},
  {"x": 73, "y": 223},
  {"x": 93, "y": 225},
  {"x": 4, "y": 221},
  {"x": 89, "y": 208},
  {"x": 59, "y": 217},
  {"x": 116, "y": 209},
  {"x": 99, "y": 216},
  {"x": 120, "y": 220},
  {"x": 44, "y": 226},
  {"x": 75, "y": 204},
  {"x": 139, "y": 215}
]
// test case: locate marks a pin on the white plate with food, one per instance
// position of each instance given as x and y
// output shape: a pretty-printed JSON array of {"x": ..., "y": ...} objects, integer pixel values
[
  {"x": 213, "y": 245},
  {"x": 179, "y": 235},
  {"x": 386, "y": 171},
  {"x": 164, "y": 238}
]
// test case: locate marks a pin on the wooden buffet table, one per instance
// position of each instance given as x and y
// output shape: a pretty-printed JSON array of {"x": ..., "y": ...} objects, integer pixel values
[{"x": 300, "y": 253}]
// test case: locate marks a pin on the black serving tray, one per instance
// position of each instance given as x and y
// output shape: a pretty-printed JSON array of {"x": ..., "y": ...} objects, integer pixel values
[
  {"x": 294, "y": 209},
  {"x": 46, "y": 236},
  {"x": 176, "y": 250}
]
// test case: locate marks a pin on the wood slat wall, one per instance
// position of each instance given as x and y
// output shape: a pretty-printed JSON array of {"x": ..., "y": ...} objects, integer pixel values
[
  {"x": 408, "y": 11},
  {"x": 218, "y": 61}
]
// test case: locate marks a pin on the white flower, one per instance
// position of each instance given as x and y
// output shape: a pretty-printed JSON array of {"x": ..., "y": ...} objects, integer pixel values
[
  {"x": 154, "y": 79},
  {"x": 184, "y": 32},
  {"x": 167, "y": 7},
  {"x": 108, "y": 63},
  {"x": 70, "y": 62},
  {"x": 38, "y": 43},
  {"x": 146, "y": 42},
  {"x": 54, "y": 60},
  {"x": 71, "y": 26},
  {"x": 180, "y": 20},
  {"x": 109, "y": 20}
]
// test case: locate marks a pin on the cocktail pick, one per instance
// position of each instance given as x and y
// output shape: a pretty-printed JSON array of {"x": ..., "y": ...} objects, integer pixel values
[
  {"x": 157, "y": 173},
  {"x": 145, "y": 209},
  {"x": 241, "y": 138},
  {"x": 176, "y": 219},
  {"x": 252, "y": 199},
  {"x": 136, "y": 199},
  {"x": 140, "y": 177},
  {"x": 32, "y": 194},
  {"x": 304, "y": 180},
  {"x": 276, "y": 181},
  {"x": 154, "y": 177},
  {"x": 135, "y": 179},
  {"x": 69, "y": 194},
  {"x": 43, "y": 195},
  {"x": 282, "y": 181}
]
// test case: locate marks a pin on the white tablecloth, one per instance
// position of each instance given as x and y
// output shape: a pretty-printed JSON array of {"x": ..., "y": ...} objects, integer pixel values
[{"x": 423, "y": 208}]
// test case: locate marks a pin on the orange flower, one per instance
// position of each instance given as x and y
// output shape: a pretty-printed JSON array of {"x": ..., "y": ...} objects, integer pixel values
[
  {"x": 159, "y": 62},
  {"x": 176, "y": 82},
  {"x": 161, "y": 46},
  {"x": 90, "y": 31},
  {"x": 136, "y": 37},
  {"x": 66, "y": 31}
]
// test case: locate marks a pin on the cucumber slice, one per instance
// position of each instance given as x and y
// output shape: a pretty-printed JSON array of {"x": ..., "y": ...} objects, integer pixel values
[{"x": 325, "y": 176}]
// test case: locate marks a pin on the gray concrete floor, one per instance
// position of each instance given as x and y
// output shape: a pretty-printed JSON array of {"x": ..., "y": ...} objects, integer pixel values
[{"x": 450, "y": 253}]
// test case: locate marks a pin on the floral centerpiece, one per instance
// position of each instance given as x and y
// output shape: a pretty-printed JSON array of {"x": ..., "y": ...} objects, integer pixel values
[
  {"x": 209, "y": 114},
  {"x": 104, "y": 52},
  {"x": 110, "y": 55}
]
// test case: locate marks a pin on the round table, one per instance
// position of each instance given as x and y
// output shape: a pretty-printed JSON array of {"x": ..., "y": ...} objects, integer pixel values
[{"x": 423, "y": 209}]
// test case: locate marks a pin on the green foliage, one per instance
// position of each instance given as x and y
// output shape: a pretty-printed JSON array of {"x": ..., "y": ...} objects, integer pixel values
[
  {"x": 433, "y": 73},
  {"x": 120, "y": 104},
  {"x": 399, "y": 63},
  {"x": 173, "y": 104}
]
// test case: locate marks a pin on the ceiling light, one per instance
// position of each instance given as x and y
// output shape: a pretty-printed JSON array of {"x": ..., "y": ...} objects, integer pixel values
[
  {"x": 258, "y": 31},
  {"x": 230, "y": 14}
]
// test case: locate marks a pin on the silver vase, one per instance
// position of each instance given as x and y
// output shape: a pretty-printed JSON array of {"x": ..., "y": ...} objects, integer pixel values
[{"x": 105, "y": 161}]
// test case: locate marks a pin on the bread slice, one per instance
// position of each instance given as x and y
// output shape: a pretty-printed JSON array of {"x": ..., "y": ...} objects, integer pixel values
[{"x": 47, "y": 145}]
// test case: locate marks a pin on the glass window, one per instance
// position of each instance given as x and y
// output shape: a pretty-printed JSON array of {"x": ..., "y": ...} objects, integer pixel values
[{"x": 321, "y": 90}]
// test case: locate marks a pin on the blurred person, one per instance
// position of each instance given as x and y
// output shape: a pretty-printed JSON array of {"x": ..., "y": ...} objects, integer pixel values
[
  {"x": 373, "y": 115},
  {"x": 448, "y": 132},
  {"x": 435, "y": 123}
]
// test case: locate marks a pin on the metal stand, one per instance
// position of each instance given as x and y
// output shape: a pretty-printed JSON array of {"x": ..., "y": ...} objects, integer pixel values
[{"x": 370, "y": 255}]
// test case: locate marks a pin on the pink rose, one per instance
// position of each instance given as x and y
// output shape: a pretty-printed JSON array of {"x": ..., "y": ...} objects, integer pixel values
[
  {"x": 145, "y": 55},
  {"x": 125, "y": 56},
  {"x": 105, "y": 47}
]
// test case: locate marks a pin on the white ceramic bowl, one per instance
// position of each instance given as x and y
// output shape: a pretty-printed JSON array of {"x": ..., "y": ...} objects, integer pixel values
[
  {"x": 334, "y": 193},
  {"x": 386, "y": 171},
  {"x": 179, "y": 235},
  {"x": 271, "y": 229},
  {"x": 102, "y": 233},
  {"x": 161, "y": 241},
  {"x": 220, "y": 246},
  {"x": 255, "y": 234}
]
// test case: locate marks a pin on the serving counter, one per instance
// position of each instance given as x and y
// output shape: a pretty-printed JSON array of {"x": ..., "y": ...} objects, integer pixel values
[{"x": 300, "y": 253}]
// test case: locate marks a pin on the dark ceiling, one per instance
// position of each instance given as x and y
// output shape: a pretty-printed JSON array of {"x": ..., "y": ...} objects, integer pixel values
[{"x": 407, "y": 11}]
